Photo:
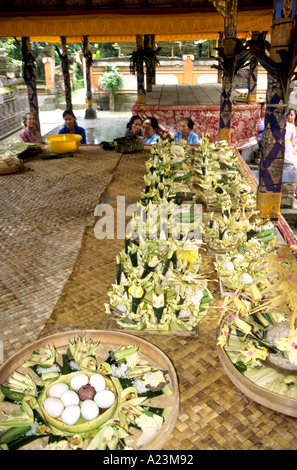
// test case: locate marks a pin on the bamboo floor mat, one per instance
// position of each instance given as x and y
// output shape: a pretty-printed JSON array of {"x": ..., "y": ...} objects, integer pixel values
[
  {"x": 44, "y": 211},
  {"x": 214, "y": 414}
]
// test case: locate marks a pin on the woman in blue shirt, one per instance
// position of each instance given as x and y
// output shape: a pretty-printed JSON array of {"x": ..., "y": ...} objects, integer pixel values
[
  {"x": 71, "y": 127},
  {"x": 186, "y": 132},
  {"x": 150, "y": 131}
]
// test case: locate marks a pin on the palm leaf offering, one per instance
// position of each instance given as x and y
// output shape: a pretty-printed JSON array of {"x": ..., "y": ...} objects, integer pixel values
[
  {"x": 12, "y": 153},
  {"x": 238, "y": 230},
  {"x": 260, "y": 336},
  {"x": 158, "y": 284},
  {"x": 58, "y": 402},
  {"x": 217, "y": 175}
]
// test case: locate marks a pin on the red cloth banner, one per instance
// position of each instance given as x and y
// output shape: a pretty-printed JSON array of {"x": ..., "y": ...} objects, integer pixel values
[{"x": 244, "y": 124}]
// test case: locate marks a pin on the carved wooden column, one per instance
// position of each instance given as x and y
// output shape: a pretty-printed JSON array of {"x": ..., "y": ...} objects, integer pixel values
[
  {"x": 149, "y": 66},
  {"x": 90, "y": 112},
  {"x": 273, "y": 142},
  {"x": 29, "y": 77},
  {"x": 253, "y": 75},
  {"x": 226, "y": 95},
  {"x": 66, "y": 73},
  {"x": 220, "y": 45},
  {"x": 140, "y": 74}
]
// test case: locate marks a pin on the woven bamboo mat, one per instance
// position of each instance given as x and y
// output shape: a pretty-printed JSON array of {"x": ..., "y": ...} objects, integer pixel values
[
  {"x": 44, "y": 211},
  {"x": 214, "y": 414}
]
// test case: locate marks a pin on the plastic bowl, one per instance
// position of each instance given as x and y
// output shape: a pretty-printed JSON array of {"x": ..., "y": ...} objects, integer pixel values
[{"x": 64, "y": 143}]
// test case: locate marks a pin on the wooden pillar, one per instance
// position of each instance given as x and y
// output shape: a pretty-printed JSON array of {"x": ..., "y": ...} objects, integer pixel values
[
  {"x": 226, "y": 95},
  {"x": 273, "y": 142},
  {"x": 229, "y": 10},
  {"x": 90, "y": 112},
  {"x": 147, "y": 43},
  {"x": 140, "y": 74},
  {"x": 66, "y": 73},
  {"x": 29, "y": 78},
  {"x": 253, "y": 75},
  {"x": 153, "y": 43},
  {"x": 220, "y": 45}
]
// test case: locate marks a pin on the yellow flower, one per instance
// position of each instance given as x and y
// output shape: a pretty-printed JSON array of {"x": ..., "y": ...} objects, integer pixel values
[
  {"x": 253, "y": 353},
  {"x": 136, "y": 291},
  {"x": 289, "y": 345},
  {"x": 222, "y": 339},
  {"x": 190, "y": 255}
]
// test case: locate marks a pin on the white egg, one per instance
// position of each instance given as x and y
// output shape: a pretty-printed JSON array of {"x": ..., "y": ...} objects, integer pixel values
[
  {"x": 71, "y": 415},
  {"x": 246, "y": 278},
  {"x": 104, "y": 399},
  {"x": 89, "y": 410},
  {"x": 53, "y": 406},
  {"x": 58, "y": 389},
  {"x": 98, "y": 382},
  {"x": 228, "y": 265},
  {"x": 79, "y": 381},
  {"x": 70, "y": 398}
]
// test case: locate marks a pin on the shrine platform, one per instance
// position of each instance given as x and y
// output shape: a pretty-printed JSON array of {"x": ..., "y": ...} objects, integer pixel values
[{"x": 201, "y": 102}]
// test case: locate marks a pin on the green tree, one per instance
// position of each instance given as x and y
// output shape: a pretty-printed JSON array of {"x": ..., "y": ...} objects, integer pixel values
[{"x": 111, "y": 82}]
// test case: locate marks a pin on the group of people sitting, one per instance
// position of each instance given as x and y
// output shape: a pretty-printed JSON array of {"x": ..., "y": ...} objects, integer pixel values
[{"x": 147, "y": 129}]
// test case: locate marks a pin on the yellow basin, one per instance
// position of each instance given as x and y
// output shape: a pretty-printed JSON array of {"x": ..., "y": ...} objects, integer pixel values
[{"x": 64, "y": 143}]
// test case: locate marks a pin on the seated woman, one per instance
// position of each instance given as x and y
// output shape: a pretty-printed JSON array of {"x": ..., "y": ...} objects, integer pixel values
[
  {"x": 186, "y": 132},
  {"x": 150, "y": 131},
  {"x": 30, "y": 133},
  {"x": 134, "y": 127},
  {"x": 71, "y": 127},
  {"x": 290, "y": 157}
]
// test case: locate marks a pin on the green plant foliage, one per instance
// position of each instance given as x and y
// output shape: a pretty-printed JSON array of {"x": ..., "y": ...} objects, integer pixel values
[
  {"x": 231, "y": 65},
  {"x": 111, "y": 80},
  {"x": 144, "y": 56}
]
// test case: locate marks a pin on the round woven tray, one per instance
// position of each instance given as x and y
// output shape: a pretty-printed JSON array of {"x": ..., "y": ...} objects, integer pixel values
[
  {"x": 12, "y": 169},
  {"x": 110, "y": 341},
  {"x": 269, "y": 399}
]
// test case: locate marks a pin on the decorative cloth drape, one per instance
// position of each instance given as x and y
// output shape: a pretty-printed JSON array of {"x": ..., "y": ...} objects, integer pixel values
[
  {"x": 244, "y": 126},
  {"x": 124, "y": 28}
]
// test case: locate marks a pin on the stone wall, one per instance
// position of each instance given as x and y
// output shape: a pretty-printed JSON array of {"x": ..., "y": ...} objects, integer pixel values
[{"x": 13, "y": 105}]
